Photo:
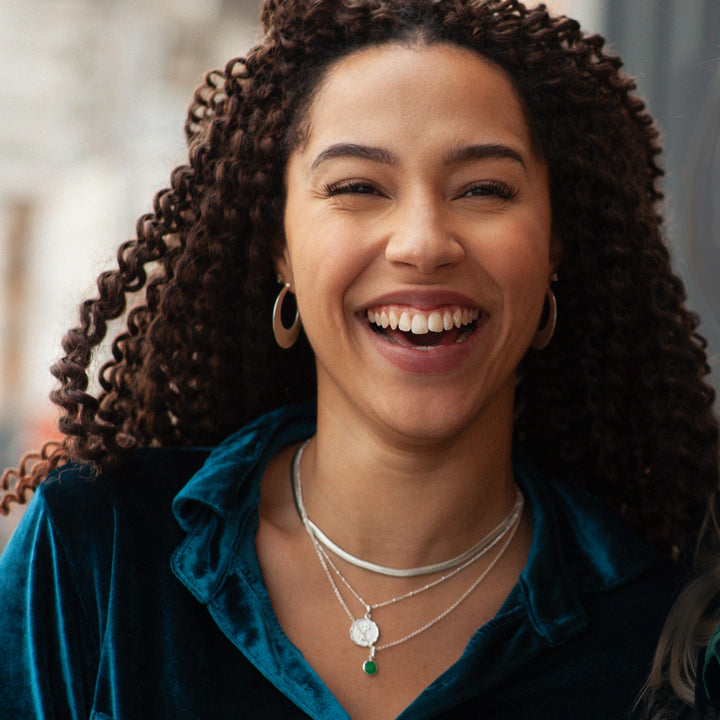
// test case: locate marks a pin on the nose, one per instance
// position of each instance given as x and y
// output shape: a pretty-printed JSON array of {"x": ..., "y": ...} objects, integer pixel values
[{"x": 421, "y": 237}]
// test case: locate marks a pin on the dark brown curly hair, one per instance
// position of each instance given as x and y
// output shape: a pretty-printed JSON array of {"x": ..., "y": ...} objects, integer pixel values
[{"x": 617, "y": 404}]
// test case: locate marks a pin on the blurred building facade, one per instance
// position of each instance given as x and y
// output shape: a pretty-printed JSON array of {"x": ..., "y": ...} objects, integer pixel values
[
  {"x": 93, "y": 104},
  {"x": 91, "y": 124}
]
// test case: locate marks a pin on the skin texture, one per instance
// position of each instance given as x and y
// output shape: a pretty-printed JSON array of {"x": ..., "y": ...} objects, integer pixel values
[
  {"x": 422, "y": 222},
  {"x": 420, "y": 227}
]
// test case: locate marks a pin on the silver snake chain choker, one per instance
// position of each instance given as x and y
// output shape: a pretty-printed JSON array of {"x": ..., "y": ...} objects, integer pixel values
[
  {"x": 364, "y": 631},
  {"x": 482, "y": 546}
]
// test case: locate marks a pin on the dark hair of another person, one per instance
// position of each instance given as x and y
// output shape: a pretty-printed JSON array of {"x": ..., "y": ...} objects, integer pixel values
[{"x": 617, "y": 403}]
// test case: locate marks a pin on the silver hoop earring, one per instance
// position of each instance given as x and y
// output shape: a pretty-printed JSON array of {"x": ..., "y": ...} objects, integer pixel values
[
  {"x": 543, "y": 336},
  {"x": 284, "y": 337}
]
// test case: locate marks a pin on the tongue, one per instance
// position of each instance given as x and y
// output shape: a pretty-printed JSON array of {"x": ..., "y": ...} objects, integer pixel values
[{"x": 431, "y": 339}]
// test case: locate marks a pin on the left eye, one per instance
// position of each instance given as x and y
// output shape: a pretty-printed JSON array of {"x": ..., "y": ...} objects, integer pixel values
[{"x": 492, "y": 189}]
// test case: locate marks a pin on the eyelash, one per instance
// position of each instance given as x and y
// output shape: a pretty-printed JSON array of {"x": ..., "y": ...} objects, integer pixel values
[
  {"x": 492, "y": 187},
  {"x": 350, "y": 186}
]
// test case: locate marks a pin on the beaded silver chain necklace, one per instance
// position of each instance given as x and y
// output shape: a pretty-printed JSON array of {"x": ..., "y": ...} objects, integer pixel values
[{"x": 364, "y": 631}]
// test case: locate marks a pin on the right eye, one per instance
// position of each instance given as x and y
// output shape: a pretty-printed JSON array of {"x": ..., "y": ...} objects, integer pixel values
[{"x": 351, "y": 187}]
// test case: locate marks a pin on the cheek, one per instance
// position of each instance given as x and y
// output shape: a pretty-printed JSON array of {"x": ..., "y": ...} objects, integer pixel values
[
  {"x": 520, "y": 267},
  {"x": 521, "y": 260},
  {"x": 324, "y": 268},
  {"x": 335, "y": 255}
]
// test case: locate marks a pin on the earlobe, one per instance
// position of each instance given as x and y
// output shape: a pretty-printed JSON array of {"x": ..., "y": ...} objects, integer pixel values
[{"x": 284, "y": 268}]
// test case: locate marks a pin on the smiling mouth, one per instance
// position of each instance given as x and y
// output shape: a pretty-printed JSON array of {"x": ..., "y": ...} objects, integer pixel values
[{"x": 423, "y": 330}]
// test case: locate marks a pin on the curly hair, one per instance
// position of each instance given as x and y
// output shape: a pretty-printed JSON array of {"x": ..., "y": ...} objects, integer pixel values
[{"x": 618, "y": 404}]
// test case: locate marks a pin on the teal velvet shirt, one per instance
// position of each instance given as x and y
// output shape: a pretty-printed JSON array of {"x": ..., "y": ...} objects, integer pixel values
[{"x": 138, "y": 595}]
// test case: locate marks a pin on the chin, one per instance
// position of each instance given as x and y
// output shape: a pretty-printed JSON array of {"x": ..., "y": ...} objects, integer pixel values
[{"x": 424, "y": 420}]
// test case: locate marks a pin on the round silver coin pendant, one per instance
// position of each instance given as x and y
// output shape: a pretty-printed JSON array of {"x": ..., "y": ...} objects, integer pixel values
[{"x": 364, "y": 632}]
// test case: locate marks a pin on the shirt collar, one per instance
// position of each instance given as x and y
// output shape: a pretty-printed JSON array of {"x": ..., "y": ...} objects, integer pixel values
[
  {"x": 578, "y": 545},
  {"x": 216, "y": 505}
]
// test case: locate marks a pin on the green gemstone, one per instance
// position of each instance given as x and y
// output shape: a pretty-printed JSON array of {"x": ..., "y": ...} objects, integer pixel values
[{"x": 369, "y": 667}]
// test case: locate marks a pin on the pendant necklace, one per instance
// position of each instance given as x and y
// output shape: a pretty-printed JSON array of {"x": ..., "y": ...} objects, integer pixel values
[{"x": 364, "y": 631}]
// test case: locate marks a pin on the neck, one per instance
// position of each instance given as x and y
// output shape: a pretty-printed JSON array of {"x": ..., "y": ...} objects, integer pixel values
[{"x": 402, "y": 503}]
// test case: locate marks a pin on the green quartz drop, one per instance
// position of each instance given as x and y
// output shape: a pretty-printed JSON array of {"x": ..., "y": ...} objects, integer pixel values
[{"x": 369, "y": 667}]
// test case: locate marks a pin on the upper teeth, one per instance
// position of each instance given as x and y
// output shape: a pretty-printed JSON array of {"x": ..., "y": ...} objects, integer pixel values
[{"x": 420, "y": 322}]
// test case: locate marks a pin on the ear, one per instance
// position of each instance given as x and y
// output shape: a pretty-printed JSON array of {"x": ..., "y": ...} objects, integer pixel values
[{"x": 283, "y": 266}]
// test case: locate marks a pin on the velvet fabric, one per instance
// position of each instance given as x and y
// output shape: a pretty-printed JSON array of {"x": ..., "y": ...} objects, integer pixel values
[{"x": 138, "y": 594}]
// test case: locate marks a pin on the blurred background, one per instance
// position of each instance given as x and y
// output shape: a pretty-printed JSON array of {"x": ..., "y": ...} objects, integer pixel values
[{"x": 94, "y": 94}]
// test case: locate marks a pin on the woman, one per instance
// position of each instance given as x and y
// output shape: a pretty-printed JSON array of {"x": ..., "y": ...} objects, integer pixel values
[{"x": 441, "y": 186}]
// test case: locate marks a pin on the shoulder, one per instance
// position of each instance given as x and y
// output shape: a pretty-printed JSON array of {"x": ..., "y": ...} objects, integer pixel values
[
  {"x": 76, "y": 494},
  {"x": 84, "y": 525},
  {"x": 91, "y": 549},
  {"x": 595, "y": 545},
  {"x": 615, "y": 567},
  {"x": 595, "y": 590},
  {"x": 91, "y": 518}
]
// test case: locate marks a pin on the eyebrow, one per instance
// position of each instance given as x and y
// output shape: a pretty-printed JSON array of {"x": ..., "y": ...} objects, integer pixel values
[
  {"x": 483, "y": 152},
  {"x": 458, "y": 155},
  {"x": 364, "y": 152}
]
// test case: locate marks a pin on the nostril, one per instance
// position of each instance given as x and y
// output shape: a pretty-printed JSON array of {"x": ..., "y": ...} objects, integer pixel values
[{"x": 425, "y": 249}]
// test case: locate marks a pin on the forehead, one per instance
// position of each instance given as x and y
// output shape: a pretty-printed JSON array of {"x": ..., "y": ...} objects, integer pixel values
[{"x": 394, "y": 87}]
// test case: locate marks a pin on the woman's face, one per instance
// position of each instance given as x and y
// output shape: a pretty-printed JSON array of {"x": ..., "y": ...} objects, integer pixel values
[{"x": 417, "y": 228}]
